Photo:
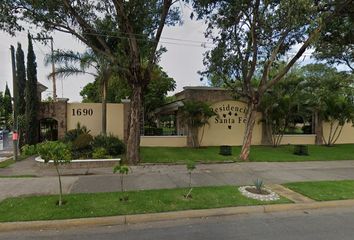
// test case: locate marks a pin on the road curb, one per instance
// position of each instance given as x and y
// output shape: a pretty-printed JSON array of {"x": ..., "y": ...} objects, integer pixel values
[{"x": 153, "y": 217}]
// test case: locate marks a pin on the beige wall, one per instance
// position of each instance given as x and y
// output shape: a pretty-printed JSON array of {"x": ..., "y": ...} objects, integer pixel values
[
  {"x": 163, "y": 141},
  {"x": 347, "y": 135},
  {"x": 89, "y": 115},
  {"x": 115, "y": 120},
  {"x": 228, "y": 127},
  {"x": 298, "y": 139}
]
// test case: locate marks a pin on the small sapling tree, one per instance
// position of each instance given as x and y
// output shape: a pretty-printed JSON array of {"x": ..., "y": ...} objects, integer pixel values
[
  {"x": 190, "y": 167},
  {"x": 122, "y": 170},
  {"x": 60, "y": 154}
]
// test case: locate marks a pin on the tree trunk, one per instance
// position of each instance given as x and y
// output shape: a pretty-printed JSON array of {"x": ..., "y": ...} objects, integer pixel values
[
  {"x": 133, "y": 141},
  {"x": 60, "y": 187},
  {"x": 121, "y": 183},
  {"x": 104, "y": 107},
  {"x": 247, "y": 139},
  {"x": 267, "y": 138},
  {"x": 318, "y": 128},
  {"x": 195, "y": 137}
]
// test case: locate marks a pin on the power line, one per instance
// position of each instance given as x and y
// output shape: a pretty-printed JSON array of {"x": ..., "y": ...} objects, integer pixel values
[{"x": 202, "y": 44}]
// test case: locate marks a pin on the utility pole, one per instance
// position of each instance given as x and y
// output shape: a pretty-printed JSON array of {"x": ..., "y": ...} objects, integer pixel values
[
  {"x": 53, "y": 66},
  {"x": 15, "y": 98}
]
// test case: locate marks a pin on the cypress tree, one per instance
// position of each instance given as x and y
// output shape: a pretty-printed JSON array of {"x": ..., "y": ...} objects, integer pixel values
[
  {"x": 21, "y": 80},
  {"x": 31, "y": 96},
  {"x": 2, "y": 117},
  {"x": 7, "y": 106}
]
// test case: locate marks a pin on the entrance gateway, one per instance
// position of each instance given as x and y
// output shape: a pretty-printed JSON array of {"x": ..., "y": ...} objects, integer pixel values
[{"x": 226, "y": 128}]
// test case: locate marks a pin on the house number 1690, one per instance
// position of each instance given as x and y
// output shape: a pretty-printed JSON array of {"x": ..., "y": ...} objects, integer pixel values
[{"x": 82, "y": 112}]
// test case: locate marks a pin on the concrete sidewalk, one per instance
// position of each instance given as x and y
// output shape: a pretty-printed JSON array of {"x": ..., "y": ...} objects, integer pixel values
[{"x": 167, "y": 176}]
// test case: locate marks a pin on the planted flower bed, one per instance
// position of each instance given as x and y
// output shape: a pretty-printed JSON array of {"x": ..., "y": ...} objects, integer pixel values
[{"x": 81, "y": 148}]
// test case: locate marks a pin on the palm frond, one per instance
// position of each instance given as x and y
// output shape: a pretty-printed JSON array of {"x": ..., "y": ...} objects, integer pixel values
[
  {"x": 89, "y": 59},
  {"x": 66, "y": 71},
  {"x": 61, "y": 56},
  {"x": 85, "y": 60}
]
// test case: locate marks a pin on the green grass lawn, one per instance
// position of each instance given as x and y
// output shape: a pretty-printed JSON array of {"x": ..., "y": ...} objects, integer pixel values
[
  {"x": 6, "y": 163},
  {"x": 258, "y": 154},
  {"x": 108, "y": 204},
  {"x": 10, "y": 161},
  {"x": 324, "y": 190}
]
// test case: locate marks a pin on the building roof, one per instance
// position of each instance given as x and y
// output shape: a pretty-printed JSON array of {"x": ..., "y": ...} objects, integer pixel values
[
  {"x": 169, "y": 107},
  {"x": 204, "y": 88}
]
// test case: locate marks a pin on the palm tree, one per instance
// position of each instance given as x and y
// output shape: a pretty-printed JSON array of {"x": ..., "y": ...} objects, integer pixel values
[{"x": 75, "y": 63}]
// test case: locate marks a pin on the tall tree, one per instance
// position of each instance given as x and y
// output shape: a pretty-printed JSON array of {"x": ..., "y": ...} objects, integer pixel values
[
  {"x": 336, "y": 43},
  {"x": 1, "y": 104},
  {"x": 2, "y": 115},
  {"x": 126, "y": 33},
  {"x": 7, "y": 106},
  {"x": 31, "y": 96},
  {"x": 329, "y": 94},
  {"x": 21, "y": 80},
  {"x": 249, "y": 36},
  {"x": 21, "y": 88}
]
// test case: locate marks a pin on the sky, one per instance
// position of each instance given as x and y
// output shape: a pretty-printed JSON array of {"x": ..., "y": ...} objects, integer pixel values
[
  {"x": 184, "y": 57},
  {"x": 182, "y": 61}
]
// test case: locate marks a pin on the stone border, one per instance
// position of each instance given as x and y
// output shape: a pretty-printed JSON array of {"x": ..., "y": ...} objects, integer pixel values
[
  {"x": 272, "y": 196},
  {"x": 39, "y": 159},
  {"x": 80, "y": 163}
]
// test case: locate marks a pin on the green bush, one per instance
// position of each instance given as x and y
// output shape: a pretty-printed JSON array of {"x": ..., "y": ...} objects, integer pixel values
[
  {"x": 99, "y": 153},
  {"x": 53, "y": 150},
  {"x": 73, "y": 134},
  {"x": 113, "y": 145},
  {"x": 29, "y": 150},
  {"x": 84, "y": 140},
  {"x": 81, "y": 146}
]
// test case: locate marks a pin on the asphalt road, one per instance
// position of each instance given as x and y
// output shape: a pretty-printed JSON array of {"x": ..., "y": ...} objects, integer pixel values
[{"x": 320, "y": 224}]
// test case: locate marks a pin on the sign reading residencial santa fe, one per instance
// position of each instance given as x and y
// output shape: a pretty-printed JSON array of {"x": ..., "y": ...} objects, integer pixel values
[{"x": 229, "y": 114}]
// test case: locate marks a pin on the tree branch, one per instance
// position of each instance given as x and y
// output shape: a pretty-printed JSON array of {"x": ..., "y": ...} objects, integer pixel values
[
  {"x": 126, "y": 26},
  {"x": 86, "y": 27},
  {"x": 273, "y": 55},
  {"x": 299, "y": 53},
  {"x": 254, "y": 37}
]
